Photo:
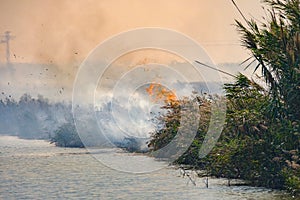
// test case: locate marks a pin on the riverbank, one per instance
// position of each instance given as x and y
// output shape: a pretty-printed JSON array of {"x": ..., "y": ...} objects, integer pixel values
[{"x": 253, "y": 145}]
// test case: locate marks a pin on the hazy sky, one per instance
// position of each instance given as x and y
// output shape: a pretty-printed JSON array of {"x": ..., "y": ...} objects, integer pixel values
[
  {"x": 60, "y": 34},
  {"x": 63, "y": 32}
]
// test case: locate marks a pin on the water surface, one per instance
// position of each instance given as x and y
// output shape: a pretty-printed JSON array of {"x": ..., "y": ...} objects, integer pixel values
[{"x": 32, "y": 169}]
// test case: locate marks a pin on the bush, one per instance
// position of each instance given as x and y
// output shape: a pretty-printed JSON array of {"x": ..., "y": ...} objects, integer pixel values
[{"x": 66, "y": 136}]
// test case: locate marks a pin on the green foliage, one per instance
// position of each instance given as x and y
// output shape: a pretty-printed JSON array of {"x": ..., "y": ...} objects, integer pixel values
[
  {"x": 261, "y": 139},
  {"x": 247, "y": 147},
  {"x": 66, "y": 136},
  {"x": 172, "y": 121},
  {"x": 292, "y": 178},
  {"x": 276, "y": 46},
  {"x": 252, "y": 147}
]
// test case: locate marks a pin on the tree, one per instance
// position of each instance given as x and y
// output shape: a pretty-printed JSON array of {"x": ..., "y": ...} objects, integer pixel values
[
  {"x": 248, "y": 145},
  {"x": 275, "y": 44}
]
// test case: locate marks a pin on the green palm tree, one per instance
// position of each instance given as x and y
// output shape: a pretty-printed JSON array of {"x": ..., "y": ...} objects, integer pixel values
[{"x": 275, "y": 44}]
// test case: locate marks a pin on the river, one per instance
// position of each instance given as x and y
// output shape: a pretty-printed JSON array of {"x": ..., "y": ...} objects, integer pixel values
[{"x": 34, "y": 169}]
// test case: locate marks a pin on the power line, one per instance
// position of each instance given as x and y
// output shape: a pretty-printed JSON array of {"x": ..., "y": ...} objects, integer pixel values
[
  {"x": 239, "y": 10},
  {"x": 213, "y": 68}
]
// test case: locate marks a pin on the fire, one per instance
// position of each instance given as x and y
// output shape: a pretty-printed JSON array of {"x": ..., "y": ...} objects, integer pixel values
[{"x": 157, "y": 92}]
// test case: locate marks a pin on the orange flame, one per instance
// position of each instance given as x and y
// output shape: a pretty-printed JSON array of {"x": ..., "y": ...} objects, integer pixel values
[{"x": 158, "y": 92}]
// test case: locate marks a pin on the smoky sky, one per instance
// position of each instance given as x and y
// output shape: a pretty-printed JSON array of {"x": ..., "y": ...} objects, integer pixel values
[
  {"x": 53, "y": 37},
  {"x": 64, "y": 32}
]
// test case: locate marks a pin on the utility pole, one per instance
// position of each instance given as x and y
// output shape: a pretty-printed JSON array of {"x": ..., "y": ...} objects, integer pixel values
[{"x": 7, "y": 38}]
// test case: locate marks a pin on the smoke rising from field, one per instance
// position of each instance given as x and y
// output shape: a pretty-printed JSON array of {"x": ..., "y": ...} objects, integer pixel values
[{"x": 64, "y": 32}]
